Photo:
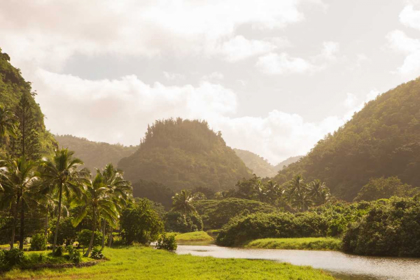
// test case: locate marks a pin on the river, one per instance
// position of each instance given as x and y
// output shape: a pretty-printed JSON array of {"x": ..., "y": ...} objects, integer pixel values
[{"x": 340, "y": 265}]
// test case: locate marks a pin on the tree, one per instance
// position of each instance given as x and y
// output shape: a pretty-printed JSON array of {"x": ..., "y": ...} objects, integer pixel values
[
  {"x": 119, "y": 190},
  {"x": 140, "y": 223},
  {"x": 182, "y": 202},
  {"x": 297, "y": 193},
  {"x": 7, "y": 123},
  {"x": 378, "y": 188},
  {"x": 97, "y": 200},
  {"x": 61, "y": 175},
  {"x": 318, "y": 192},
  {"x": 18, "y": 179}
]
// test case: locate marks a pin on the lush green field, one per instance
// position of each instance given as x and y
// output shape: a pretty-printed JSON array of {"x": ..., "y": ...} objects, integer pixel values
[
  {"x": 148, "y": 263},
  {"x": 310, "y": 243}
]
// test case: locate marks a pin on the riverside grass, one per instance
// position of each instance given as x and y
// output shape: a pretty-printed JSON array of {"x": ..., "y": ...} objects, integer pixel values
[
  {"x": 196, "y": 236},
  {"x": 136, "y": 262},
  {"x": 310, "y": 243}
]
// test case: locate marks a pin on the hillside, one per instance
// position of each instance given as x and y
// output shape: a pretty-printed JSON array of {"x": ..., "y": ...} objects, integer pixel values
[
  {"x": 259, "y": 166},
  {"x": 95, "y": 154},
  {"x": 382, "y": 140},
  {"x": 286, "y": 162},
  {"x": 184, "y": 154},
  {"x": 16, "y": 96}
]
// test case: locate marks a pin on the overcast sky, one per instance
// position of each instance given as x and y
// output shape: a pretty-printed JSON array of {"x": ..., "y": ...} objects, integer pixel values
[{"x": 273, "y": 76}]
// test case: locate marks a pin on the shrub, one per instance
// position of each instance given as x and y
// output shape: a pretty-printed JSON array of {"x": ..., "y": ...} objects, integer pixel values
[
  {"x": 67, "y": 233},
  {"x": 177, "y": 222},
  {"x": 3, "y": 264},
  {"x": 96, "y": 254},
  {"x": 391, "y": 228},
  {"x": 280, "y": 225},
  {"x": 75, "y": 256},
  {"x": 58, "y": 252},
  {"x": 14, "y": 257},
  {"x": 166, "y": 242},
  {"x": 85, "y": 235},
  {"x": 39, "y": 242},
  {"x": 140, "y": 223}
]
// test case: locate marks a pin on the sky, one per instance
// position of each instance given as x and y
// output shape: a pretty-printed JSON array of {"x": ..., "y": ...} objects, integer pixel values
[{"x": 273, "y": 76}]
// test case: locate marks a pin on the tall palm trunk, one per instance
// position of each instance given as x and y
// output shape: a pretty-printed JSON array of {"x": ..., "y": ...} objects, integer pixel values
[
  {"x": 14, "y": 213},
  {"x": 46, "y": 222},
  {"x": 58, "y": 217},
  {"x": 92, "y": 237},
  {"x": 22, "y": 225},
  {"x": 110, "y": 239},
  {"x": 103, "y": 234}
]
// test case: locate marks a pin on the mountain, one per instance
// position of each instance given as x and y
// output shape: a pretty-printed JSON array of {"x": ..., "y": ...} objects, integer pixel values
[
  {"x": 382, "y": 140},
  {"x": 184, "y": 154},
  {"x": 286, "y": 162},
  {"x": 16, "y": 96},
  {"x": 95, "y": 154},
  {"x": 259, "y": 166}
]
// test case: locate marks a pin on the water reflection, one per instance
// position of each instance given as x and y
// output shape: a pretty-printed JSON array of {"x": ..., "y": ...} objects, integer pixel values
[{"x": 342, "y": 266}]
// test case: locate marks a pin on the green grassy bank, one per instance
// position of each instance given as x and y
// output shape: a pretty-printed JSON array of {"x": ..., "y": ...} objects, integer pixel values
[
  {"x": 148, "y": 263},
  {"x": 310, "y": 243}
]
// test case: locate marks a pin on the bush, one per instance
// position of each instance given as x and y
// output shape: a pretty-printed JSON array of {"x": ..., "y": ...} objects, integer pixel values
[
  {"x": 39, "y": 242},
  {"x": 281, "y": 225},
  {"x": 85, "y": 235},
  {"x": 391, "y": 228},
  {"x": 3, "y": 264},
  {"x": 177, "y": 222},
  {"x": 140, "y": 223},
  {"x": 13, "y": 257},
  {"x": 75, "y": 256},
  {"x": 96, "y": 254},
  {"x": 166, "y": 242},
  {"x": 66, "y": 234},
  {"x": 58, "y": 252}
]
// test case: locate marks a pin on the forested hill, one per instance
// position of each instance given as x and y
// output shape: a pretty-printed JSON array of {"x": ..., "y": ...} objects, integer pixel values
[
  {"x": 259, "y": 166},
  {"x": 95, "y": 154},
  {"x": 17, "y": 102},
  {"x": 286, "y": 162},
  {"x": 184, "y": 154},
  {"x": 383, "y": 139}
]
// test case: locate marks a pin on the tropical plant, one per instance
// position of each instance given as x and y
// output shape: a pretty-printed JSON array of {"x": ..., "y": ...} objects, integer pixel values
[
  {"x": 18, "y": 179},
  {"x": 297, "y": 193},
  {"x": 318, "y": 192},
  {"x": 61, "y": 175},
  {"x": 7, "y": 123},
  {"x": 99, "y": 202},
  {"x": 182, "y": 202}
]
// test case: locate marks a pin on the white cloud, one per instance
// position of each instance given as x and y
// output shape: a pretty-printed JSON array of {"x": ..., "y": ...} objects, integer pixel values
[
  {"x": 173, "y": 76},
  {"x": 400, "y": 42},
  {"x": 330, "y": 50},
  {"x": 277, "y": 64},
  {"x": 410, "y": 17},
  {"x": 54, "y": 30},
  {"x": 215, "y": 76},
  {"x": 239, "y": 48}
]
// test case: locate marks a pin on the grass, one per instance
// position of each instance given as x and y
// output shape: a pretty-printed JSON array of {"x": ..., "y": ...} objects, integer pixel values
[
  {"x": 321, "y": 243},
  {"x": 147, "y": 263},
  {"x": 196, "y": 238}
]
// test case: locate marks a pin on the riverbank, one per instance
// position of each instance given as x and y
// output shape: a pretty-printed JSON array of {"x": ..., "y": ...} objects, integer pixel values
[
  {"x": 311, "y": 243},
  {"x": 147, "y": 263},
  {"x": 196, "y": 237}
]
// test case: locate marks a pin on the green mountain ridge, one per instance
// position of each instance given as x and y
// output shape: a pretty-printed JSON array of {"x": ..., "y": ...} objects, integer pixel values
[
  {"x": 184, "y": 154},
  {"x": 381, "y": 140},
  {"x": 95, "y": 154}
]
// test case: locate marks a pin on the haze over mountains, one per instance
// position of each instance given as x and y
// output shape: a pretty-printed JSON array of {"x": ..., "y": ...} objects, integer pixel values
[{"x": 381, "y": 140}]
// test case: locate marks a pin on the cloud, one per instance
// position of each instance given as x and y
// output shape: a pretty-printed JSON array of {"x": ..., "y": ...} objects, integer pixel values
[
  {"x": 278, "y": 64},
  {"x": 55, "y": 30},
  {"x": 410, "y": 17},
  {"x": 239, "y": 48},
  {"x": 214, "y": 76},
  {"x": 401, "y": 43},
  {"x": 173, "y": 76}
]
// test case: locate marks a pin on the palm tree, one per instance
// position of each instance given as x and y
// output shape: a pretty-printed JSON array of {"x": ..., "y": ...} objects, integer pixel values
[
  {"x": 119, "y": 190},
  {"x": 61, "y": 175},
  {"x": 97, "y": 200},
  {"x": 297, "y": 193},
  {"x": 18, "y": 179},
  {"x": 182, "y": 202},
  {"x": 319, "y": 192}
]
